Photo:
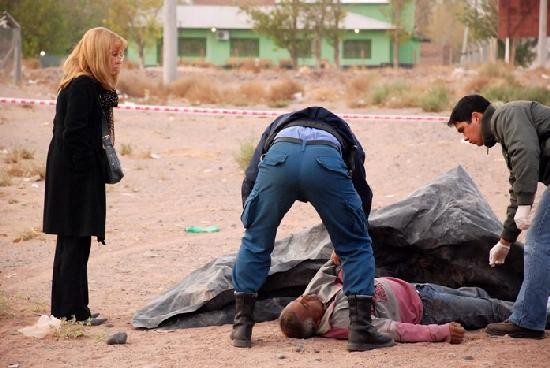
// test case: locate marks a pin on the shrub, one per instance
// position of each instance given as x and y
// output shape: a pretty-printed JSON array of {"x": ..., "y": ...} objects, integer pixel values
[
  {"x": 27, "y": 169},
  {"x": 253, "y": 91},
  {"x": 506, "y": 93},
  {"x": 136, "y": 83},
  {"x": 357, "y": 90},
  {"x": 435, "y": 99},
  {"x": 246, "y": 150},
  {"x": 17, "y": 154},
  {"x": 322, "y": 94},
  {"x": 125, "y": 149},
  {"x": 283, "y": 91},
  {"x": 70, "y": 329},
  {"x": 197, "y": 90},
  {"x": 5, "y": 308},
  {"x": 498, "y": 70},
  {"x": 477, "y": 83},
  {"x": 285, "y": 64},
  {"x": 394, "y": 94},
  {"x": 5, "y": 179},
  {"x": 27, "y": 234}
]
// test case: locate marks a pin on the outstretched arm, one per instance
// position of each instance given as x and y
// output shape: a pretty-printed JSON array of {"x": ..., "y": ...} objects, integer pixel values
[{"x": 409, "y": 332}]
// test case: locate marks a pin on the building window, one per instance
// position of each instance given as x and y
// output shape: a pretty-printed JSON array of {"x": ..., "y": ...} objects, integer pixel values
[
  {"x": 192, "y": 47},
  {"x": 244, "y": 47},
  {"x": 304, "y": 49},
  {"x": 357, "y": 49}
]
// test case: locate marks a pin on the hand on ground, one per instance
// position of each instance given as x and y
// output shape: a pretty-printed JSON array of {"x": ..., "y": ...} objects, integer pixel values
[{"x": 457, "y": 333}]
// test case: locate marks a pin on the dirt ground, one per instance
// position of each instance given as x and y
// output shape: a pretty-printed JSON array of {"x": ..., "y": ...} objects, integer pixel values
[{"x": 182, "y": 172}]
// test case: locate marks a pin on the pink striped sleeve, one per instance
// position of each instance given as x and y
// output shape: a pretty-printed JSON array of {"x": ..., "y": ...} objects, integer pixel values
[{"x": 409, "y": 332}]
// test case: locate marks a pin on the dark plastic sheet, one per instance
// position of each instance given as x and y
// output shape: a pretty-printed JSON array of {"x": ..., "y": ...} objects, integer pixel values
[{"x": 441, "y": 233}]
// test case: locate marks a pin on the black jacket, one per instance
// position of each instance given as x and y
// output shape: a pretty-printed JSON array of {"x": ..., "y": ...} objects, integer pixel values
[
  {"x": 75, "y": 183},
  {"x": 350, "y": 147}
]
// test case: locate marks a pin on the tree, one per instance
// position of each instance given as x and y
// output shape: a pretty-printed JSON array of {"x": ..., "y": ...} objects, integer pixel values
[
  {"x": 445, "y": 28},
  {"x": 284, "y": 24},
  {"x": 398, "y": 33},
  {"x": 481, "y": 18},
  {"x": 52, "y": 25},
  {"x": 135, "y": 20},
  {"x": 327, "y": 16}
]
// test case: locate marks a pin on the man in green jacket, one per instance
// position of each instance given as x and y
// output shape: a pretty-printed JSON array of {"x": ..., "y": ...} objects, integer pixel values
[{"x": 523, "y": 130}]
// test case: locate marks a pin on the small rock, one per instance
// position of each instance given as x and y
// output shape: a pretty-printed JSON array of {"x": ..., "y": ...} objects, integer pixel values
[
  {"x": 118, "y": 338},
  {"x": 316, "y": 351},
  {"x": 13, "y": 365},
  {"x": 299, "y": 349},
  {"x": 468, "y": 357},
  {"x": 281, "y": 356}
]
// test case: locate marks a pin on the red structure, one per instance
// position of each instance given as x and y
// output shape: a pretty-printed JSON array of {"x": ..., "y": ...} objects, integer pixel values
[{"x": 519, "y": 18}]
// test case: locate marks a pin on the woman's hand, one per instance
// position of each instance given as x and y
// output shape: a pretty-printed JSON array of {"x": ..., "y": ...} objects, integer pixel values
[{"x": 456, "y": 332}]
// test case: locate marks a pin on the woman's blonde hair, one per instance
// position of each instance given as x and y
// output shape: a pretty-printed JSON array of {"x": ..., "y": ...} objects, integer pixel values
[{"x": 92, "y": 56}]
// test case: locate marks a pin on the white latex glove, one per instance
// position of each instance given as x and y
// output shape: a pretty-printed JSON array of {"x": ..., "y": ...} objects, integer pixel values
[
  {"x": 498, "y": 254},
  {"x": 521, "y": 218}
]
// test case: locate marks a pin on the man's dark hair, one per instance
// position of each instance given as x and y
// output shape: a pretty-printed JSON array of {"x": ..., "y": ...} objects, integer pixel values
[
  {"x": 466, "y": 106},
  {"x": 293, "y": 327}
]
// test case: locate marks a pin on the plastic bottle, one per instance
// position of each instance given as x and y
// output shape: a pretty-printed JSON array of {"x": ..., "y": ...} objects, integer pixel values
[{"x": 202, "y": 229}]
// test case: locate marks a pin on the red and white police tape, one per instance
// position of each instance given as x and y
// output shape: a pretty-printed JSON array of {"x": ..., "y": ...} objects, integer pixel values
[{"x": 232, "y": 112}]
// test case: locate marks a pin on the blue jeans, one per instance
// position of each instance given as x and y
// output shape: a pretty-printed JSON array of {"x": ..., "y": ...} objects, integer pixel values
[
  {"x": 530, "y": 306},
  {"x": 471, "y": 306},
  {"x": 310, "y": 172}
]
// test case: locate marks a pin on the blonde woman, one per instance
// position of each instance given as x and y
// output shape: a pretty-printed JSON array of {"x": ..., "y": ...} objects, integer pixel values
[{"x": 74, "y": 206}]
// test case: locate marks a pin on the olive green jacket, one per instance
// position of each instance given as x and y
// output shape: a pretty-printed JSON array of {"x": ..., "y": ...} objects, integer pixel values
[{"x": 523, "y": 130}]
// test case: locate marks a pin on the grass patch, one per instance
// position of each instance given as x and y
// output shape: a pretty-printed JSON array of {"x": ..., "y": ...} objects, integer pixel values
[
  {"x": 394, "y": 94},
  {"x": 27, "y": 169},
  {"x": 506, "y": 93},
  {"x": 498, "y": 70},
  {"x": 5, "y": 308},
  {"x": 246, "y": 151},
  {"x": 125, "y": 149},
  {"x": 70, "y": 330},
  {"x": 17, "y": 155},
  {"x": 39, "y": 307},
  {"x": 5, "y": 178},
  {"x": 435, "y": 99},
  {"x": 27, "y": 234}
]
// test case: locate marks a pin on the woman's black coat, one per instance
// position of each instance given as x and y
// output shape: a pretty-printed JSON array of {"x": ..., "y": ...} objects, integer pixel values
[{"x": 75, "y": 185}]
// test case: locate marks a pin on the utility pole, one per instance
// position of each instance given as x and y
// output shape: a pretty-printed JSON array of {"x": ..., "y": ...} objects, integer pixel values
[
  {"x": 169, "y": 42},
  {"x": 543, "y": 15}
]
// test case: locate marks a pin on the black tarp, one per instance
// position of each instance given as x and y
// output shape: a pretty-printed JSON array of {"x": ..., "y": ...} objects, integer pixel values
[{"x": 441, "y": 233}]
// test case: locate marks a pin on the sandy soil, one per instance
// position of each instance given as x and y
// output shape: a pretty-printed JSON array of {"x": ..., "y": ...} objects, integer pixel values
[{"x": 196, "y": 181}]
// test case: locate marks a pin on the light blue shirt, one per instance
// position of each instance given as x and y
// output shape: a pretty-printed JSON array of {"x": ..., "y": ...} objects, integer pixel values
[{"x": 307, "y": 134}]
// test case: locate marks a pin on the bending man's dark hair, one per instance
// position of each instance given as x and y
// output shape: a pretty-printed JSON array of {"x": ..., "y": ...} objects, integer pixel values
[
  {"x": 293, "y": 327},
  {"x": 465, "y": 107}
]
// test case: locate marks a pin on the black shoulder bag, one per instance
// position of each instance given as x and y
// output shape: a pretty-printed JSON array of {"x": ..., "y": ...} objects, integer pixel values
[{"x": 113, "y": 169}]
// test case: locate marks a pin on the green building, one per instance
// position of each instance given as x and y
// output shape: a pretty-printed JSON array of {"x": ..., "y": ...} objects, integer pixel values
[{"x": 222, "y": 35}]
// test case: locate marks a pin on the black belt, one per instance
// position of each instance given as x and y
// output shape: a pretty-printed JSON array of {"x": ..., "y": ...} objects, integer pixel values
[{"x": 301, "y": 141}]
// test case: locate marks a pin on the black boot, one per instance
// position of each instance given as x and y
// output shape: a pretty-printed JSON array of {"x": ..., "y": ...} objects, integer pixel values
[
  {"x": 362, "y": 334},
  {"x": 244, "y": 320}
]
